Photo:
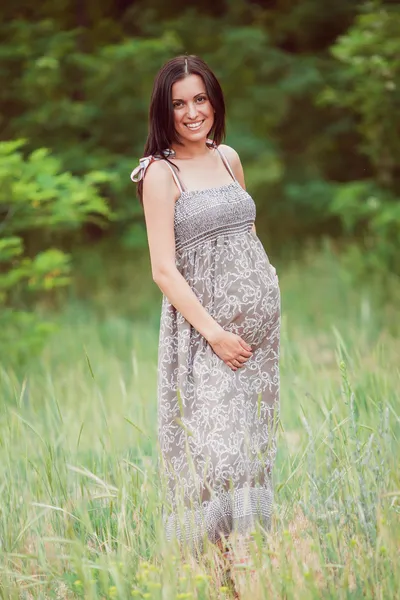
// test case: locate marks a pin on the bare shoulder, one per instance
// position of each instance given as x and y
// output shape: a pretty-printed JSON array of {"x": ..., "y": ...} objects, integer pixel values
[
  {"x": 234, "y": 160},
  {"x": 156, "y": 172},
  {"x": 158, "y": 180},
  {"x": 230, "y": 154}
]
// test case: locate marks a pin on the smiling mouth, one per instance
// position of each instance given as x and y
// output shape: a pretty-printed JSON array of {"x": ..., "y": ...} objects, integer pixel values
[{"x": 194, "y": 126}]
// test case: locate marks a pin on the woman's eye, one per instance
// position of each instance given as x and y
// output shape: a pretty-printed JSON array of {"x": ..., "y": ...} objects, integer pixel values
[
  {"x": 201, "y": 99},
  {"x": 177, "y": 104}
]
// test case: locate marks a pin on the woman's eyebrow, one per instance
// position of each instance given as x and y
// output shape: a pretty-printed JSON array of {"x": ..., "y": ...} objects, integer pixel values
[{"x": 180, "y": 99}]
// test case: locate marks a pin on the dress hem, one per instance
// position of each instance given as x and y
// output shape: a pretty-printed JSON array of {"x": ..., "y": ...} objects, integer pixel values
[{"x": 235, "y": 511}]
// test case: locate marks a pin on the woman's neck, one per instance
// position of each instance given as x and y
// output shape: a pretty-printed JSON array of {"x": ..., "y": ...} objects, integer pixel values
[{"x": 191, "y": 150}]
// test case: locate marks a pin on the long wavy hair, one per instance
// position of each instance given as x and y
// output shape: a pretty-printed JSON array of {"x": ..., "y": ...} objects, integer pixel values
[{"x": 162, "y": 133}]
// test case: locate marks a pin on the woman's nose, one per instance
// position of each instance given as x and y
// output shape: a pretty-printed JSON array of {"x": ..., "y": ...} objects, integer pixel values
[{"x": 192, "y": 111}]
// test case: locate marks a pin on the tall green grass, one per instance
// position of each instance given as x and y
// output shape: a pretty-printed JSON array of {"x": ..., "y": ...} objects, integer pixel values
[{"x": 80, "y": 494}]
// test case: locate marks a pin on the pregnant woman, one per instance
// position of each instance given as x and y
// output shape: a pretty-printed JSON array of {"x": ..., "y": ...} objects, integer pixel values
[{"x": 218, "y": 361}]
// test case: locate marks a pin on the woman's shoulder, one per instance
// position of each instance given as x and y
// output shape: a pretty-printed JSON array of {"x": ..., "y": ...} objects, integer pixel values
[
  {"x": 157, "y": 176},
  {"x": 147, "y": 164},
  {"x": 233, "y": 158},
  {"x": 157, "y": 170},
  {"x": 230, "y": 154}
]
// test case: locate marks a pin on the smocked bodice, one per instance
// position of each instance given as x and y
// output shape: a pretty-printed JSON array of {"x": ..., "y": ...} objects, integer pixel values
[{"x": 202, "y": 215}]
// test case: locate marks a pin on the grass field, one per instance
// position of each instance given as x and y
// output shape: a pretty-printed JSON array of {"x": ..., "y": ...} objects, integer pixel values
[{"x": 80, "y": 496}]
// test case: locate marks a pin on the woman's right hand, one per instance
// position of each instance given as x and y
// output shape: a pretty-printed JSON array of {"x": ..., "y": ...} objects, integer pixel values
[{"x": 231, "y": 348}]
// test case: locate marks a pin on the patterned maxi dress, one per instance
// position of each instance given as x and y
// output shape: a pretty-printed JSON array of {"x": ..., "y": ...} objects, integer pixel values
[{"x": 216, "y": 426}]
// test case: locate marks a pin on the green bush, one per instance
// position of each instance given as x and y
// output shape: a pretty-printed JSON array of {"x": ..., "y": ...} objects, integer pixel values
[
  {"x": 367, "y": 84},
  {"x": 313, "y": 101},
  {"x": 36, "y": 196},
  {"x": 371, "y": 219}
]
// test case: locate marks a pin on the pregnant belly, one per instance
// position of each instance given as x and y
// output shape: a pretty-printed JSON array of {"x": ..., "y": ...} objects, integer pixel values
[
  {"x": 234, "y": 280},
  {"x": 246, "y": 294},
  {"x": 249, "y": 306}
]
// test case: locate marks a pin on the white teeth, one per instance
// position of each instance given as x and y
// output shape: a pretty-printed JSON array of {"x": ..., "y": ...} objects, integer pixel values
[{"x": 194, "y": 125}]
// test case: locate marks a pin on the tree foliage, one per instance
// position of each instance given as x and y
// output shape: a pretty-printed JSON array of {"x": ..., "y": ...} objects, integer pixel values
[
  {"x": 37, "y": 196},
  {"x": 368, "y": 85},
  {"x": 313, "y": 108}
]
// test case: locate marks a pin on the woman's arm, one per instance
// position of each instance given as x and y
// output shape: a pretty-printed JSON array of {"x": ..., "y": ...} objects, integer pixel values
[
  {"x": 234, "y": 161},
  {"x": 159, "y": 195}
]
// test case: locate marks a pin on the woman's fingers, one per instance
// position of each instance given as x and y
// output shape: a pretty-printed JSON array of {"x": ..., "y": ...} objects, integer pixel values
[
  {"x": 239, "y": 361},
  {"x": 245, "y": 349},
  {"x": 237, "y": 352},
  {"x": 244, "y": 357},
  {"x": 244, "y": 345},
  {"x": 231, "y": 365}
]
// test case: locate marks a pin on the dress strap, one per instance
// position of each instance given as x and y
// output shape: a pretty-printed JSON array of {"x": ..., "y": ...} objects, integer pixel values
[
  {"x": 175, "y": 176},
  {"x": 139, "y": 172},
  {"x": 226, "y": 163}
]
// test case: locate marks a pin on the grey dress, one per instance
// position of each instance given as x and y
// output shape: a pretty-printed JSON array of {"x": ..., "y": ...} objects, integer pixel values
[{"x": 217, "y": 426}]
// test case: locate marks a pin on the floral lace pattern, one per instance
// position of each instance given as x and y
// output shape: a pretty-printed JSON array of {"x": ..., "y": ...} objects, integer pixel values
[{"x": 217, "y": 426}]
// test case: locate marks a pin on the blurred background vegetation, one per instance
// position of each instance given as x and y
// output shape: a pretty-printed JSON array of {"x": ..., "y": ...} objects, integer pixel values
[{"x": 313, "y": 99}]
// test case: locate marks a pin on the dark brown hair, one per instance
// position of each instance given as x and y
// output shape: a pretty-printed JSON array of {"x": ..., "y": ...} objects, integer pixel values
[{"x": 162, "y": 133}]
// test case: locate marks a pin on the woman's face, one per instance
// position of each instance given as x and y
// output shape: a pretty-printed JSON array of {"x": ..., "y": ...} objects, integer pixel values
[{"x": 193, "y": 112}]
